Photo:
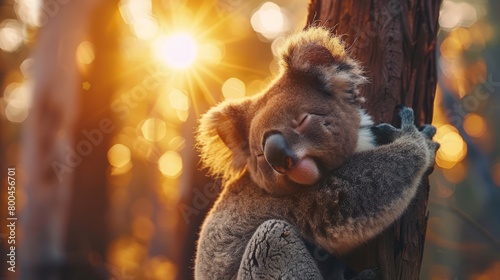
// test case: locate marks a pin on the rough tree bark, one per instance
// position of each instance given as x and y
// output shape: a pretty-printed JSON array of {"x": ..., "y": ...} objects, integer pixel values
[{"x": 395, "y": 40}]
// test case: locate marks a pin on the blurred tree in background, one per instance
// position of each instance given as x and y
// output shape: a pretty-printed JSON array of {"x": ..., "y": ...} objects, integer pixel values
[{"x": 139, "y": 73}]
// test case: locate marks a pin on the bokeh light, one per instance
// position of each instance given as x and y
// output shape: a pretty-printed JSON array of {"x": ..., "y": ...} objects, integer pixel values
[
  {"x": 138, "y": 15},
  {"x": 233, "y": 88},
  {"x": 453, "y": 148},
  {"x": 474, "y": 125},
  {"x": 170, "y": 164},
  {"x": 18, "y": 101},
  {"x": 29, "y": 11},
  {"x": 154, "y": 129},
  {"x": 145, "y": 28},
  {"x": 160, "y": 268},
  {"x": 11, "y": 36},
  {"x": 119, "y": 155},
  {"x": 212, "y": 52},
  {"x": 269, "y": 20},
  {"x": 85, "y": 53},
  {"x": 455, "y": 14},
  {"x": 180, "y": 103}
]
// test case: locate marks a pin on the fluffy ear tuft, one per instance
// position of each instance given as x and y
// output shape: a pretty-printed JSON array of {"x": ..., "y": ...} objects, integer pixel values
[
  {"x": 310, "y": 47},
  {"x": 310, "y": 55},
  {"x": 318, "y": 52},
  {"x": 222, "y": 139}
]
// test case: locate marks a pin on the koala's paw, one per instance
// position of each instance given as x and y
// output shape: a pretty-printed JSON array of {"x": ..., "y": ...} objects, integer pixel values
[
  {"x": 384, "y": 133},
  {"x": 429, "y": 131},
  {"x": 407, "y": 118},
  {"x": 424, "y": 136}
]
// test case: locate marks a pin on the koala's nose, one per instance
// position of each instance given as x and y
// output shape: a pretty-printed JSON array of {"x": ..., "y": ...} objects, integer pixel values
[{"x": 278, "y": 154}]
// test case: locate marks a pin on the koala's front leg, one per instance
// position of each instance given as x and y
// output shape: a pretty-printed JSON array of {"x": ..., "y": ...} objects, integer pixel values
[
  {"x": 276, "y": 251},
  {"x": 370, "y": 191}
]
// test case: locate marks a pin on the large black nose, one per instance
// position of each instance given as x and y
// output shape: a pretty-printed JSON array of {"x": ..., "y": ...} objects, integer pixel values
[{"x": 278, "y": 154}]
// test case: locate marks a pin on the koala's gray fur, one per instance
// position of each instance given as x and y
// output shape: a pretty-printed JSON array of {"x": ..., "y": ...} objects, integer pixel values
[
  {"x": 355, "y": 203},
  {"x": 255, "y": 233}
]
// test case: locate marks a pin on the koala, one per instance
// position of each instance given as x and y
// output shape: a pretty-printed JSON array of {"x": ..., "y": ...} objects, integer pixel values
[{"x": 302, "y": 161}]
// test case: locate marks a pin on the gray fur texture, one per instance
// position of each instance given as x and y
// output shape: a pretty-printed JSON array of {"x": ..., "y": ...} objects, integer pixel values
[{"x": 353, "y": 204}]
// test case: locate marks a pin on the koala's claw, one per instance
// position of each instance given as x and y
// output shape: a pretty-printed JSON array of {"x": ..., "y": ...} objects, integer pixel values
[
  {"x": 407, "y": 118},
  {"x": 386, "y": 128},
  {"x": 434, "y": 146},
  {"x": 428, "y": 131}
]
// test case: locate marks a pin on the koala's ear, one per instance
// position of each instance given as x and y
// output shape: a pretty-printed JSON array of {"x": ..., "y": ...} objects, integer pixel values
[
  {"x": 222, "y": 138},
  {"x": 318, "y": 53}
]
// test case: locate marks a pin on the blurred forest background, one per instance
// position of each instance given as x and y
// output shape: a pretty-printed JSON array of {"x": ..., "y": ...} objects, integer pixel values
[{"x": 114, "y": 90}]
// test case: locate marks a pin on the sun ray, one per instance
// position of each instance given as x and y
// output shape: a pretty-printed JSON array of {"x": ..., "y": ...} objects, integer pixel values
[
  {"x": 196, "y": 105},
  {"x": 223, "y": 21},
  {"x": 204, "y": 89},
  {"x": 210, "y": 74},
  {"x": 243, "y": 68}
]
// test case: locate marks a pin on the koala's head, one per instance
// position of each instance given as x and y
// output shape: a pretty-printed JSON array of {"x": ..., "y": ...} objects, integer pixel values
[{"x": 304, "y": 124}]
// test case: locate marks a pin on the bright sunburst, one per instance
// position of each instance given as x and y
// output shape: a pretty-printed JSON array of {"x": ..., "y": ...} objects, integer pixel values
[{"x": 178, "y": 50}]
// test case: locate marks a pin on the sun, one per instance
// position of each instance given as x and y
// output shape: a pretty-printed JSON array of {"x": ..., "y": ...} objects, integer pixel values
[{"x": 178, "y": 50}]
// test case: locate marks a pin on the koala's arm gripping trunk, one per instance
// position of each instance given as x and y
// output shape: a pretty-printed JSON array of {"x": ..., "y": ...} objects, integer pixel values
[{"x": 366, "y": 194}]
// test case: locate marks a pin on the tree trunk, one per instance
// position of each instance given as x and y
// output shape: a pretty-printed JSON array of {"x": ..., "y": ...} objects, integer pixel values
[
  {"x": 63, "y": 222},
  {"x": 87, "y": 230},
  {"x": 395, "y": 40}
]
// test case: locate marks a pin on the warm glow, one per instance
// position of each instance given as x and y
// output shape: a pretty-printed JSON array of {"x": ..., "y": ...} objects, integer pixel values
[
  {"x": 154, "y": 129},
  {"x": 233, "y": 88},
  {"x": 143, "y": 228},
  {"x": 145, "y": 28},
  {"x": 451, "y": 48},
  {"x": 453, "y": 148},
  {"x": 269, "y": 20},
  {"x": 119, "y": 155},
  {"x": 454, "y": 14},
  {"x": 180, "y": 102},
  {"x": 170, "y": 164},
  {"x": 30, "y": 12},
  {"x": 160, "y": 268},
  {"x": 18, "y": 101},
  {"x": 211, "y": 52},
  {"x": 85, "y": 52},
  {"x": 474, "y": 125},
  {"x": 178, "y": 50},
  {"x": 126, "y": 252},
  {"x": 11, "y": 36}
]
